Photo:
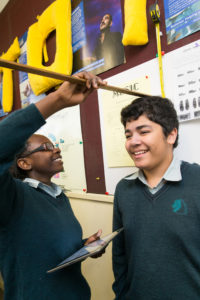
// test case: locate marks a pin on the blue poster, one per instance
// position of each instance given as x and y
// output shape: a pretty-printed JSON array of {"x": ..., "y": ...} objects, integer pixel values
[
  {"x": 2, "y": 113},
  {"x": 97, "y": 35},
  {"x": 26, "y": 94},
  {"x": 182, "y": 18}
]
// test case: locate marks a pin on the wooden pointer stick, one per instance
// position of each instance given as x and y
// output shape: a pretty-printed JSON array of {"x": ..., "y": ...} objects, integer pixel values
[{"x": 42, "y": 72}]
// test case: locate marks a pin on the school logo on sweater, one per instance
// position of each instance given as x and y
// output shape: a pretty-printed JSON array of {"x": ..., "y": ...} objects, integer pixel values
[{"x": 179, "y": 207}]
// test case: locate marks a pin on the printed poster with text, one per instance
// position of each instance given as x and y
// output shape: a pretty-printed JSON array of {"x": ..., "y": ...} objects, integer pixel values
[
  {"x": 182, "y": 18},
  {"x": 2, "y": 113},
  {"x": 97, "y": 35},
  {"x": 112, "y": 104},
  {"x": 184, "y": 65},
  {"x": 26, "y": 94}
]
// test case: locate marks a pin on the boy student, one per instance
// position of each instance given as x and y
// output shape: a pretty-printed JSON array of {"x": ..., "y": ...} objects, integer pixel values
[
  {"x": 157, "y": 256},
  {"x": 37, "y": 226}
]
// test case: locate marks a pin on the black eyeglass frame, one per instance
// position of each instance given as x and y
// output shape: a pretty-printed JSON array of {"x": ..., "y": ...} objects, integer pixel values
[{"x": 44, "y": 147}]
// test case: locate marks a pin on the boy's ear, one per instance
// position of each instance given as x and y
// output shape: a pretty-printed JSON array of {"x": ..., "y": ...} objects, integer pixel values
[
  {"x": 24, "y": 164},
  {"x": 172, "y": 136}
]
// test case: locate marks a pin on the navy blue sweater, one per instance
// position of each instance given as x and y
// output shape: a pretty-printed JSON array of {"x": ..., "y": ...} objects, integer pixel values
[
  {"x": 37, "y": 231},
  {"x": 157, "y": 256}
]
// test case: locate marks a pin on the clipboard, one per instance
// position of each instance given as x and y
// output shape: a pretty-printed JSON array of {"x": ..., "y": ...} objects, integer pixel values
[{"x": 87, "y": 251}]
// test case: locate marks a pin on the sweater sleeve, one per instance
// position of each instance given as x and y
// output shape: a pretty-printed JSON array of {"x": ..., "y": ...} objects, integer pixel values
[
  {"x": 14, "y": 131},
  {"x": 118, "y": 254}
]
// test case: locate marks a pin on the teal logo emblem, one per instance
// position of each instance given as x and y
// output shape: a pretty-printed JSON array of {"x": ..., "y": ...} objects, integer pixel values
[{"x": 179, "y": 207}]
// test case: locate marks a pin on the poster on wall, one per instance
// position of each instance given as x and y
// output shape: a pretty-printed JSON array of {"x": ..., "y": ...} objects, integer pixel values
[
  {"x": 112, "y": 104},
  {"x": 97, "y": 35},
  {"x": 2, "y": 113},
  {"x": 26, "y": 94},
  {"x": 182, "y": 18},
  {"x": 64, "y": 130},
  {"x": 184, "y": 80}
]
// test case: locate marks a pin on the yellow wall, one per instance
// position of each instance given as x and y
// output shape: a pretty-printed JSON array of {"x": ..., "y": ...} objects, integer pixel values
[{"x": 93, "y": 212}]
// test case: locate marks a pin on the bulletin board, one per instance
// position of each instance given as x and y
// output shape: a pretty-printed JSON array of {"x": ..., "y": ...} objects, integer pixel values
[{"x": 140, "y": 59}]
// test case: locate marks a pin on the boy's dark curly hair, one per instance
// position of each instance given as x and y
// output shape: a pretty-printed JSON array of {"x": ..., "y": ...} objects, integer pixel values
[{"x": 156, "y": 109}]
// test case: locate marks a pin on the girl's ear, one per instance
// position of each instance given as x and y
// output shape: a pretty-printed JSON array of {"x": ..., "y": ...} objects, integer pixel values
[{"x": 24, "y": 164}]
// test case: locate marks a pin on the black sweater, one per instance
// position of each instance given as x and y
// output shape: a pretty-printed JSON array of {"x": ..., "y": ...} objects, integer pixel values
[{"x": 157, "y": 256}]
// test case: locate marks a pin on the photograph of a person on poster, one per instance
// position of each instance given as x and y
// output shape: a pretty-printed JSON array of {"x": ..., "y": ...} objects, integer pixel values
[
  {"x": 109, "y": 44},
  {"x": 101, "y": 40}
]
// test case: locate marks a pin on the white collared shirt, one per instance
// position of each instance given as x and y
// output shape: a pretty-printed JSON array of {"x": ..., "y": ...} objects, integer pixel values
[
  {"x": 54, "y": 190},
  {"x": 173, "y": 173}
]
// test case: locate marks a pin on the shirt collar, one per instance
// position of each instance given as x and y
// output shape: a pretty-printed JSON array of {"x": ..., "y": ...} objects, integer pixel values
[
  {"x": 173, "y": 173},
  {"x": 54, "y": 190}
]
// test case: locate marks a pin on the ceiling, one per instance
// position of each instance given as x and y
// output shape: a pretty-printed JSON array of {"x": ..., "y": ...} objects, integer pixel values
[{"x": 3, "y": 4}]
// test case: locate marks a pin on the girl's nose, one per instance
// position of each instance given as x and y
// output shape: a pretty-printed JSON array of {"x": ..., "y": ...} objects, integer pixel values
[{"x": 57, "y": 150}]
